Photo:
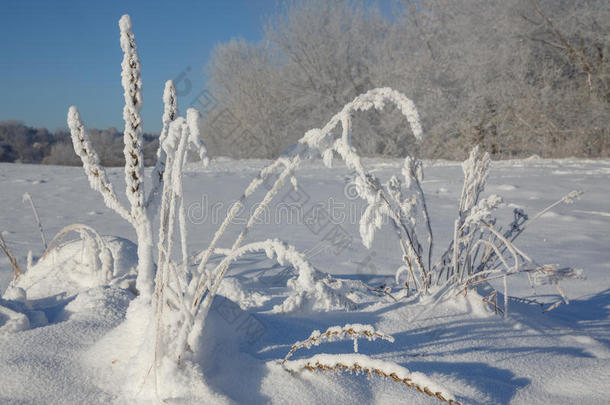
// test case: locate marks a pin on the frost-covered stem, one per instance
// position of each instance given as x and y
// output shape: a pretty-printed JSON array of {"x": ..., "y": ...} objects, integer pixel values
[
  {"x": 192, "y": 120},
  {"x": 284, "y": 253},
  {"x": 170, "y": 113},
  {"x": 359, "y": 363},
  {"x": 102, "y": 260},
  {"x": 470, "y": 255},
  {"x": 514, "y": 250},
  {"x": 145, "y": 278},
  {"x": 183, "y": 232},
  {"x": 405, "y": 250},
  {"x": 174, "y": 145},
  {"x": 513, "y": 233},
  {"x": 203, "y": 289},
  {"x": 413, "y": 244},
  {"x": 28, "y": 197},
  {"x": 323, "y": 141},
  {"x": 132, "y": 84},
  {"x": 16, "y": 269},
  {"x": 98, "y": 179},
  {"x": 415, "y": 253},
  {"x": 508, "y": 269},
  {"x": 163, "y": 226},
  {"x": 131, "y": 80},
  {"x": 29, "y": 260},
  {"x": 337, "y": 333},
  {"x": 178, "y": 194},
  {"x": 413, "y": 173},
  {"x": 505, "y": 296},
  {"x": 456, "y": 245},
  {"x": 427, "y": 219},
  {"x": 254, "y": 184},
  {"x": 476, "y": 170},
  {"x": 405, "y": 257},
  {"x": 220, "y": 270},
  {"x": 172, "y": 191},
  {"x": 375, "y": 98},
  {"x": 568, "y": 198}
]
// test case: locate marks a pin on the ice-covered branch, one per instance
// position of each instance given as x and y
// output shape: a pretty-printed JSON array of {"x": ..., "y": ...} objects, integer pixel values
[
  {"x": 98, "y": 179},
  {"x": 170, "y": 113}
]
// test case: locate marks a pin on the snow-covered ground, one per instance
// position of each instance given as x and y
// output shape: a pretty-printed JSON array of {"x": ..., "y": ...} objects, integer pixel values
[{"x": 562, "y": 356}]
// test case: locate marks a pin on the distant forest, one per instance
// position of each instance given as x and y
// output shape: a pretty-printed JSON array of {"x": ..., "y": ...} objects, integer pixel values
[{"x": 20, "y": 143}]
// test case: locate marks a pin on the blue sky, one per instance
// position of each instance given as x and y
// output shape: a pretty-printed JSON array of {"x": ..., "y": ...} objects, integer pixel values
[{"x": 54, "y": 54}]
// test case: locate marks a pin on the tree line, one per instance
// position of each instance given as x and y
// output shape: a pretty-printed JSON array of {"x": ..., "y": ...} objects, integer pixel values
[
  {"x": 517, "y": 77},
  {"x": 23, "y": 144}
]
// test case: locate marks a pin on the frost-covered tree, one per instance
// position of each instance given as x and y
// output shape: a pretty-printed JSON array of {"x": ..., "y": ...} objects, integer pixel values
[
  {"x": 514, "y": 87},
  {"x": 515, "y": 77},
  {"x": 316, "y": 56}
]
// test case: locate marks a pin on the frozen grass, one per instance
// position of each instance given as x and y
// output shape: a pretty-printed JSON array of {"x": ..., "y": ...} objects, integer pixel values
[
  {"x": 336, "y": 333},
  {"x": 362, "y": 364},
  {"x": 28, "y": 198},
  {"x": 16, "y": 269},
  {"x": 94, "y": 250}
]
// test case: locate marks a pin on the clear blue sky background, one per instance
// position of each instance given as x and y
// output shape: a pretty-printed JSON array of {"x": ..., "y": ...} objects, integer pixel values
[{"x": 54, "y": 54}]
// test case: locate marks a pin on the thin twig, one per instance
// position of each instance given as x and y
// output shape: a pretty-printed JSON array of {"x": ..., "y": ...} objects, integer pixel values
[
  {"x": 28, "y": 197},
  {"x": 16, "y": 269}
]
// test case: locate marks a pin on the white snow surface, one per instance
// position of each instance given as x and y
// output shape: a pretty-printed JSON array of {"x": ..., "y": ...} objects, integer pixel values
[{"x": 54, "y": 344}]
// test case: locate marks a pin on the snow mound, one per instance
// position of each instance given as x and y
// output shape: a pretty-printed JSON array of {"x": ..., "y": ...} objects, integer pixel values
[
  {"x": 232, "y": 288},
  {"x": 69, "y": 269},
  {"x": 320, "y": 292},
  {"x": 12, "y": 321}
]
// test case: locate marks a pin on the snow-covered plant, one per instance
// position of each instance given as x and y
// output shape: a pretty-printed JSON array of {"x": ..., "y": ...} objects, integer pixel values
[
  {"x": 310, "y": 286},
  {"x": 363, "y": 364},
  {"x": 141, "y": 209},
  {"x": 184, "y": 292},
  {"x": 179, "y": 297},
  {"x": 337, "y": 333},
  {"x": 383, "y": 200},
  {"x": 205, "y": 281},
  {"x": 94, "y": 251},
  {"x": 477, "y": 251},
  {"x": 360, "y": 363}
]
